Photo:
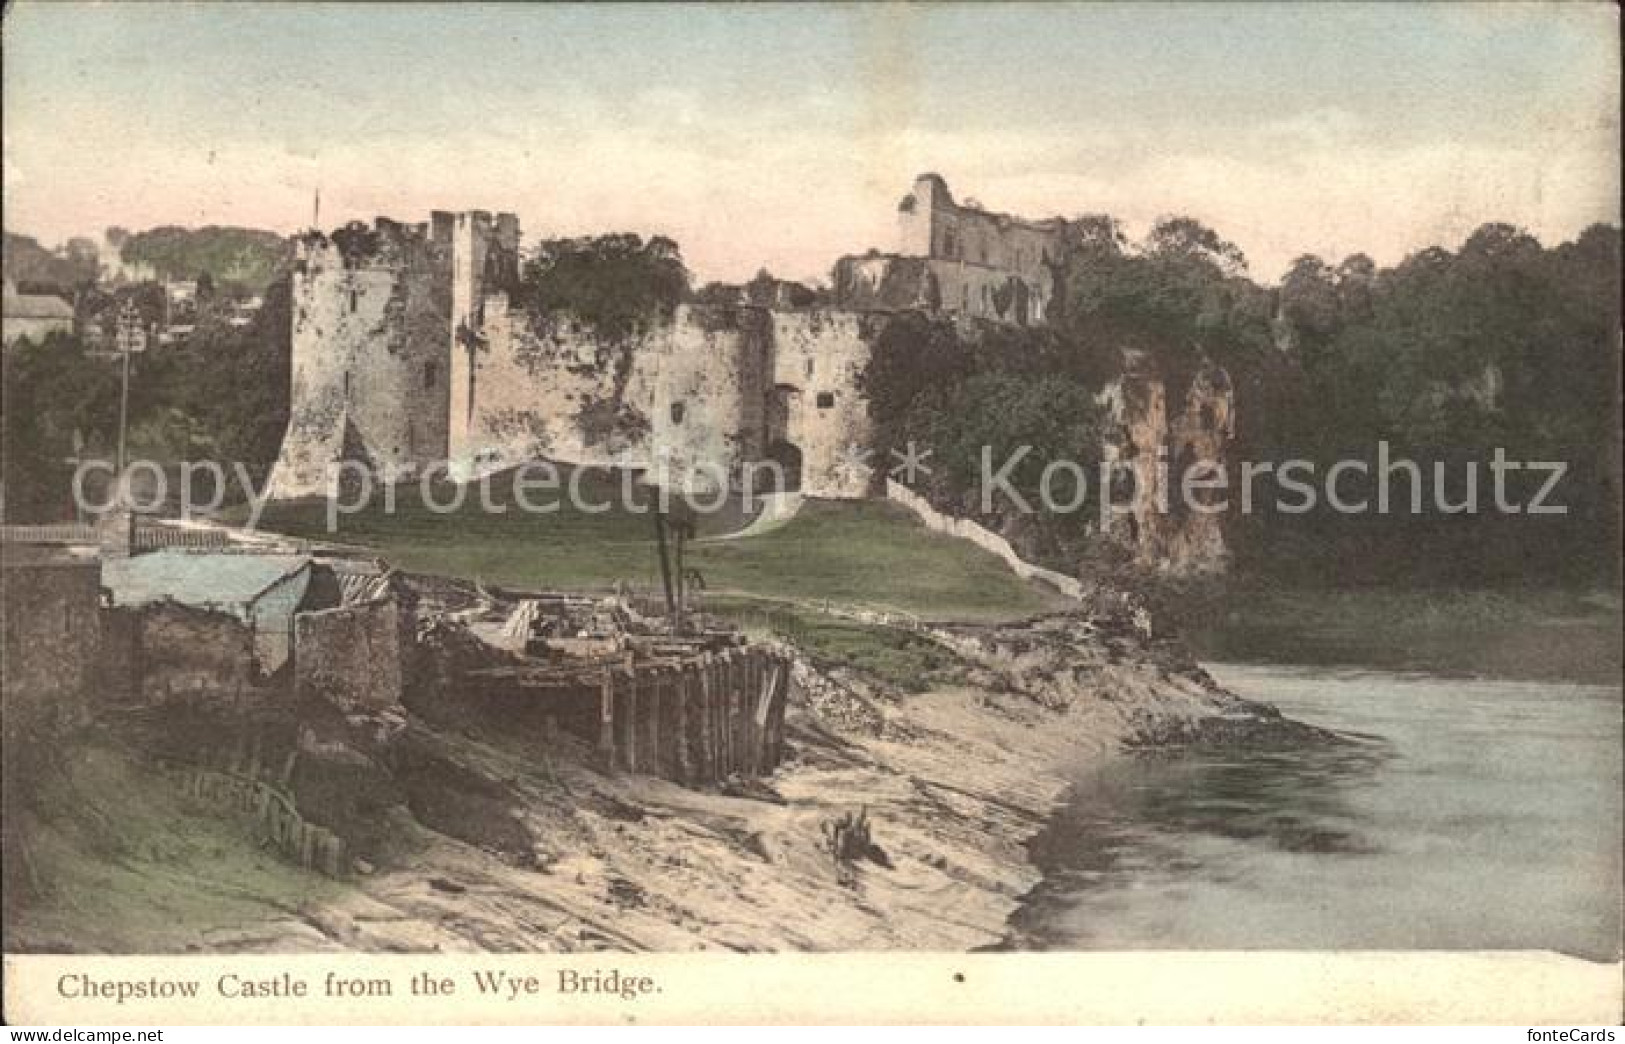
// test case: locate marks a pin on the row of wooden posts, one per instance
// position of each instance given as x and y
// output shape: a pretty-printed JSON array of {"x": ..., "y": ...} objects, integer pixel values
[
  {"x": 697, "y": 721},
  {"x": 272, "y": 812}
]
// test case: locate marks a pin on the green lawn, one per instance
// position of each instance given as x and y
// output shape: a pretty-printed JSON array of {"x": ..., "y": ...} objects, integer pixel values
[
  {"x": 893, "y": 654},
  {"x": 853, "y": 552}
]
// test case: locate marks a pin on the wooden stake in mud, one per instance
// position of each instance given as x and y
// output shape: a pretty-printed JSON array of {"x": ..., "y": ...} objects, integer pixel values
[
  {"x": 665, "y": 566},
  {"x": 606, "y": 720}
]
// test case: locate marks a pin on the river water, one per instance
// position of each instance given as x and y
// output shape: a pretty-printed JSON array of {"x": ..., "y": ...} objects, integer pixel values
[{"x": 1462, "y": 815}]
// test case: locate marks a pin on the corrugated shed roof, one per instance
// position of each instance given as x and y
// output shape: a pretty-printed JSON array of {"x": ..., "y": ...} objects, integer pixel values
[
  {"x": 223, "y": 581},
  {"x": 361, "y": 588},
  {"x": 519, "y": 622}
]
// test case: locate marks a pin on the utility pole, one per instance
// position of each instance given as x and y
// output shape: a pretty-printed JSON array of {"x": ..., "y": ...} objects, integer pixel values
[
  {"x": 126, "y": 334},
  {"x": 77, "y": 460}
]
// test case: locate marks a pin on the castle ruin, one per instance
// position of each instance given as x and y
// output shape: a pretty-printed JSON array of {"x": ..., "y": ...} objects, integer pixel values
[
  {"x": 411, "y": 346},
  {"x": 957, "y": 259}
]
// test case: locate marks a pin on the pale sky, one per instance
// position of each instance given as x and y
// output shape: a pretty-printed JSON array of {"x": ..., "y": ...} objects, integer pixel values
[{"x": 784, "y": 135}]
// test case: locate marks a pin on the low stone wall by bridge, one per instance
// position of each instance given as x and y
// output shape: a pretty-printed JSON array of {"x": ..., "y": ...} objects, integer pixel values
[{"x": 983, "y": 538}]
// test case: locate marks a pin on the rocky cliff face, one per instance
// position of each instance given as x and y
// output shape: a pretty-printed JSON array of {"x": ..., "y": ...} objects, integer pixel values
[{"x": 1165, "y": 527}]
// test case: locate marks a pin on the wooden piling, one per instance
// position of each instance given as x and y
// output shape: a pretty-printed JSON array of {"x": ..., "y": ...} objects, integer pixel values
[
  {"x": 707, "y": 712},
  {"x": 628, "y": 714},
  {"x": 685, "y": 751},
  {"x": 649, "y": 722},
  {"x": 606, "y": 720}
]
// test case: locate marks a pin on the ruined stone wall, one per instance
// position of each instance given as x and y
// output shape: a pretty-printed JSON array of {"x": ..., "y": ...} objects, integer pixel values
[
  {"x": 887, "y": 283},
  {"x": 187, "y": 656},
  {"x": 702, "y": 394},
  {"x": 890, "y": 283},
  {"x": 534, "y": 387},
  {"x": 484, "y": 265},
  {"x": 52, "y": 642},
  {"x": 818, "y": 358},
  {"x": 370, "y": 356},
  {"x": 709, "y": 393},
  {"x": 354, "y": 657},
  {"x": 407, "y": 349},
  {"x": 982, "y": 537}
]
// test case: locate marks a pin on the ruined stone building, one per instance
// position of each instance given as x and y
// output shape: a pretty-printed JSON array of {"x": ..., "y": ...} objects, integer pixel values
[
  {"x": 50, "y": 601},
  {"x": 410, "y": 348},
  {"x": 957, "y": 259}
]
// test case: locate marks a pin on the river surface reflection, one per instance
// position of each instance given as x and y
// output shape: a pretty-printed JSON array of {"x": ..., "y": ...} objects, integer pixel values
[{"x": 1460, "y": 815}]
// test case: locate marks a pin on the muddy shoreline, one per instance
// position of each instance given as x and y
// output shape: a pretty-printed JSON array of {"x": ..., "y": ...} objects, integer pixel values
[
  {"x": 952, "y": 784},
  {"x": 512, "y": 845}
]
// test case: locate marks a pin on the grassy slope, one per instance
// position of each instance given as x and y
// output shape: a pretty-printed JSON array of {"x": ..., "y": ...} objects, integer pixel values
[
  {"x": 127, "y": 864},
  {"x": 875, "y": 554},
  {"x": 895, "y": 655},
  {"x": 869, "y": 553}
]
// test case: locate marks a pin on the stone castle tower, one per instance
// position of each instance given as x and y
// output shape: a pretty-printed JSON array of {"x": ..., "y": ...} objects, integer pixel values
[
  {"x": 375, "y": 342},
  {"x": 411, "y": 348}
]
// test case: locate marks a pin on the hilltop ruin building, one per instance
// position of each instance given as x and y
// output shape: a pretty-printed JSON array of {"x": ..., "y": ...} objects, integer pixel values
[{"x": 958, "y": 259}]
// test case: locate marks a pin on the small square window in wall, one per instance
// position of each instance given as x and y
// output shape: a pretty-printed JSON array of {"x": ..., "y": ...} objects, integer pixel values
[
  {"x": 677, "y": 411},
  {"x": 826, "y": 400}
]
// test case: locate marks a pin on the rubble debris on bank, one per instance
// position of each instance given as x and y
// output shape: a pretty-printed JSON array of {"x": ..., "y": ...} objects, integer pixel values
[
  {"x": 578, "y": 777},
  {"x": 286, "y": 681}
]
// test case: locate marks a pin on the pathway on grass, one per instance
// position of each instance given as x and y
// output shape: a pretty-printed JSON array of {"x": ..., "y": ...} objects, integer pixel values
[{"x": 777, "y": 510}]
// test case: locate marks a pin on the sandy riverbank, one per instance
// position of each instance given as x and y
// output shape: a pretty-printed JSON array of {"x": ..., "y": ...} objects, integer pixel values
[
  {"x": 511, "y": 844},
  {"x": 954, "y": 781}
]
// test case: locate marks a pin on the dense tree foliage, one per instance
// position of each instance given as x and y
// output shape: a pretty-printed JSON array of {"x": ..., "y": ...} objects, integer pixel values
[
  {"x": 220, "y": 396},
  {"x": 236, "y": 259},
  {"x": 1018, "y": 427},
  {"x": 615, "y": 283},
  {"x": 1179, "y": 297},
  {"x": 58, "y": 403},
  {"x": 34, "y": 268},
  {"x": 1447, "y": 357},
  {"x": 956, "y": 390},
  {"x": 229, "y": 382}
]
